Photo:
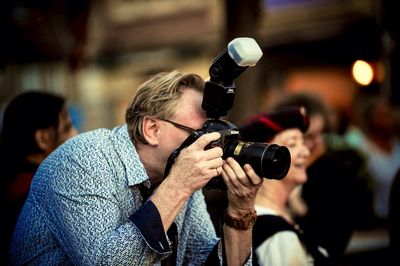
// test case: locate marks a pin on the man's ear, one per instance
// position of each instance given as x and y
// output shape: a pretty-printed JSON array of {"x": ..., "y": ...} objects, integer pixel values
[
  {"x": 150, "y": 130},
  {"x": 44, "y": 139}
]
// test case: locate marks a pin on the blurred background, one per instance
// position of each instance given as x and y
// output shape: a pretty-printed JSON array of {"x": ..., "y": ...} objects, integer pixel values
[{"x": 97, "y": 52}]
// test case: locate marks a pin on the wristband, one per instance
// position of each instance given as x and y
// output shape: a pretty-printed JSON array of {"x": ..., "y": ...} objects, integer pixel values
[{"x": 243, "y": 223}]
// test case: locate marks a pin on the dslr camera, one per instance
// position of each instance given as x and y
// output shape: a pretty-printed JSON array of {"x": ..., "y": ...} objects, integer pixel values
[{"x": 268, "y": 160}]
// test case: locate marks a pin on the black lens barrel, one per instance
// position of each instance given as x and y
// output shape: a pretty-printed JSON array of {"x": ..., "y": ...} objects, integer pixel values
[{"x": 268, "y": 160}]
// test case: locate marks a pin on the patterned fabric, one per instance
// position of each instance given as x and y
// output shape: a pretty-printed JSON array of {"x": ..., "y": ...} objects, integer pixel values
[{"x": 85, "y": 208}]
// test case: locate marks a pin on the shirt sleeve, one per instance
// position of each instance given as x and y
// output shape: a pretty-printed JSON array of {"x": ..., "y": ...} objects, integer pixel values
[{"x": 147, "y": 219}]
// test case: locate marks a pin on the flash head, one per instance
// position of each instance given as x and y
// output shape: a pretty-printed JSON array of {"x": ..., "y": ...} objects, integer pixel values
[
  {"x": 219, "y": 91},
  {"x": 244, "y": 51},
  {"x": 234, "y": 59}
]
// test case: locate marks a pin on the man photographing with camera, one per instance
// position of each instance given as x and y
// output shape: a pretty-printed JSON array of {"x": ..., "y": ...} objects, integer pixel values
[{"x": 102, "y": 198}]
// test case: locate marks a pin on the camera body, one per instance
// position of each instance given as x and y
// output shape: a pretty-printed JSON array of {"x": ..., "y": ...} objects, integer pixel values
[
  {"x": 228, "y": 131},
  {"x": 268, "y": 160}
]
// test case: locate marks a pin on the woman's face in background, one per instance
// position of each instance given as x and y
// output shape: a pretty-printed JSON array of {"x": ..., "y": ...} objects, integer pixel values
[{"x": 294, "y": 141}]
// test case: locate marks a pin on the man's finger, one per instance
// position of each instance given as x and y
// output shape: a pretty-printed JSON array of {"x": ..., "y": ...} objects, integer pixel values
[{"x": 206, "y": 139}]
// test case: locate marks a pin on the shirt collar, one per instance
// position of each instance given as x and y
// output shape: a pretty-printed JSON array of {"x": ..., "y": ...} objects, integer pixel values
[{"x": 135, "y": 171}]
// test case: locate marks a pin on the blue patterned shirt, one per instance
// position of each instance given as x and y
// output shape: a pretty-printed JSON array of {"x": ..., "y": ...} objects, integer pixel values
[{"x": 85, "y": 208}]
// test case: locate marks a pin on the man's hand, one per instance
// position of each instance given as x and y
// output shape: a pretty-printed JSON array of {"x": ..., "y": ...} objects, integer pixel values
[
  {"x": 243, "y": 185},
  {"x": 195, "y": 166},
  {"x": 192, "y": 169}
]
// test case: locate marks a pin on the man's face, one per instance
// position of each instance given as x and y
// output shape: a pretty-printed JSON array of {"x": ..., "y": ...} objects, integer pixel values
[{"x": 189, "y": 114}]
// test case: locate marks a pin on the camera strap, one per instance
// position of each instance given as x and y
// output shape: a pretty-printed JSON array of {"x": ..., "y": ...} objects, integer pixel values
[{"x": 171, "y": 159}]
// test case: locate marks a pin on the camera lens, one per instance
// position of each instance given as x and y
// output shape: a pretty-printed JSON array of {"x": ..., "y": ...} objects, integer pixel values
[{"x": 268, "y": 160}]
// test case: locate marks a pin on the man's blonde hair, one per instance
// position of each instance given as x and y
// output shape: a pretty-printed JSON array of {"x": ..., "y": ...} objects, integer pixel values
[{"x": 158, "y": 97}]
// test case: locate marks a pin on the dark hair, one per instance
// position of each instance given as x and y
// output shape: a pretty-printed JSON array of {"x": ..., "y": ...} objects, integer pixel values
[
  {"x": 263, "y": 127},
  {"x": 23, "y": 115},
  {"x": 312, "y": 103}
]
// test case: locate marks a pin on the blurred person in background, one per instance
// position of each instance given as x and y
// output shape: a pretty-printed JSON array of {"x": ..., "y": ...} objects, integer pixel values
[
  {"x": 373, "y": 133},
  {"x": 277, "y": 239},
  {"x": 336, "y": 199},
  {"x": 394, "y": 219},
  {"x": 34, "y": 124}
]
